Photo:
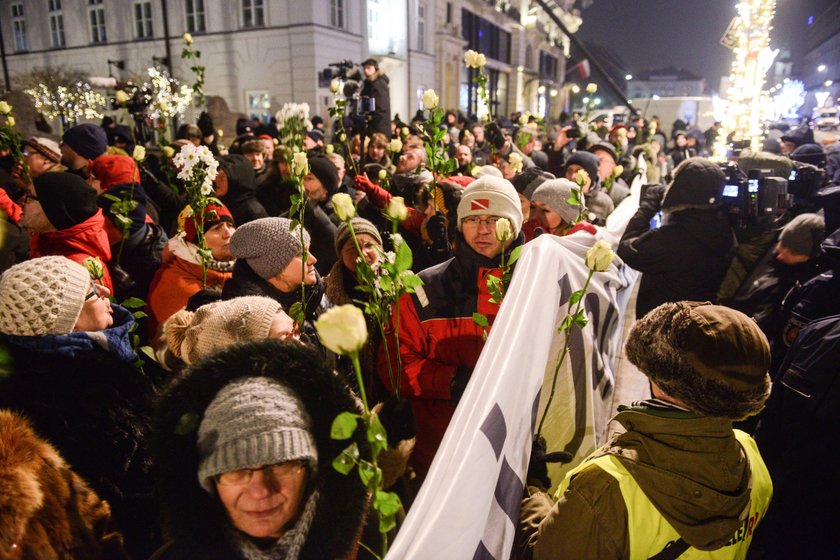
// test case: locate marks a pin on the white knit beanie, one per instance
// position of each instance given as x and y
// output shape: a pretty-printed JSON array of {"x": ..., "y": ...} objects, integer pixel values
[
  {"x": 191, "y": 336},
  {"x": 42, "y": 296},
  {"x": 493, "y": 196},
  {"x": 555, "y": 194},
  {"x": 253, "y": 421}
]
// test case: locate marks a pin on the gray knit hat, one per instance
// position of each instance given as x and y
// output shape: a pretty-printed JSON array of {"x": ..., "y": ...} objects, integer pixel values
[
  {"x": 555, "y": 194},
  {"x": 268, "y": 245},
  {"x": 360, "y": 225},
  {"x": 253, "y": 421},
  {"x": 192, "y": 335},
  {"x": 803, "y": 235},
  {"x": 42, "y": 296},
  {"x": 494, "y": 196}
]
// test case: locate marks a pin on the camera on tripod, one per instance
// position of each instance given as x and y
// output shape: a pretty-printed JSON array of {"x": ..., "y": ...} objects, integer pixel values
[
  {"x": 348, "y": 72},
  {"x": 805, "y": 180},
  {"x": 746, "y": 198}
]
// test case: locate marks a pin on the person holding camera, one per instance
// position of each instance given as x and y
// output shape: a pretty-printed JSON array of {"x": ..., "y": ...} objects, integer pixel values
[
  {"x": 377, "y": 87},
  {"x": 688, "y": 256}
]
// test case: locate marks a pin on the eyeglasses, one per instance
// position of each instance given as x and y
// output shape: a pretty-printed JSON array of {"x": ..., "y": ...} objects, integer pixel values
[
  {"x": 277, "y": 472},
  {"x": 27, "y": 197},
  {"x": 476, "y": 221},
  {"x": 95, "y": 291}
]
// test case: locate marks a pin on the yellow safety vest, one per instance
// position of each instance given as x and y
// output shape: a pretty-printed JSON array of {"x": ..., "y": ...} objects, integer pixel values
[{"x": 649, "y": 532}]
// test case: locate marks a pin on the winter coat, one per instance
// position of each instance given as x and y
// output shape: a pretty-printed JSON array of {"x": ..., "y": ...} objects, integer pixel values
[
  {"x": 195, "y": 521},
  {"x": 46, "y": 510},
  {"x": 85, "y": 239},
  {"x": 274, "y": 193},
  {"x": 691, "y": 468},
  {"x": 83, "y": 394},
  {"x": 378, "y": 88},
  {"x": 800, "y": 419},
  {"x": 179, "y": 277},
  {"x": 439, "y": 339},
  {"x": 241, "y": 195},
  {"x": 684, "y": 259},
  {"x": 321, "y": 222}
]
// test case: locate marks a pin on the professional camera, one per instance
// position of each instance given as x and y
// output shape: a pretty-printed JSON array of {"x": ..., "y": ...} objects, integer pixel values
[
  {"x": 805, "y": 180},
  {"x": 749, "y": 197},
  {"x": 348, "y": 72},
  {"x": 138, "y": 99}
]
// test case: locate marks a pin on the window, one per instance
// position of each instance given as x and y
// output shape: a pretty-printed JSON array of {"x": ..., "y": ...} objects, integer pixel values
[
  {"x": 96, "y": 16},
  {"x": 485, "y": 37},
  {"x": 195, "y": 16},
  {"x": 19, "y": 27},
  {"x": 421, "y": 26},
  {"x": 548, "y": 66},
  {"x": 56, "y": 25},
  {"x": 253, "y": 14},
  {"x": 258, "y": 103},
  {"x": 143, "y": 20},
  {"x": 337, "y": 13},
  {"x": 373, "y": 19}
]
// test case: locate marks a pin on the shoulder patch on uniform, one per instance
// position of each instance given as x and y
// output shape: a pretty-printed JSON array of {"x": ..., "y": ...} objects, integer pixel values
[{"x": 421, "y": 296}]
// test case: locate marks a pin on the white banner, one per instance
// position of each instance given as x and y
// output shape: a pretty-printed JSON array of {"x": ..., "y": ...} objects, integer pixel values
[{"x": 469, "y": 504}]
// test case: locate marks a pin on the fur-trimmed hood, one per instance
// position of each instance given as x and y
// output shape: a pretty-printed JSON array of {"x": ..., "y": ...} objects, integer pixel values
[{"x": 194, "y": 521}]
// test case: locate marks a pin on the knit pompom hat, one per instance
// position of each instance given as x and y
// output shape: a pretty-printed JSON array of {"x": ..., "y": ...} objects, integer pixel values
[
  {"x": 42, "y": 296},
  {"x": 360, "y": 225},
  {"x": 494, "y": 196},
  {"x": 712, "y": 358},
  {"x": 251, "y": 422},
  {"x": 555, "y": 194},
  {"x": 268, "y": 245},
  {"x": 214, "y": 214},
  {"x": 191, "y": 336}
]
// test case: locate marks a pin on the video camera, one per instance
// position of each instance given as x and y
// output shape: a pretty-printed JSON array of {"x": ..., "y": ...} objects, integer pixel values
[
  {"x": 138, "y": 100},
  {"x": 747, "y": 198},
  {"x": 805, "y": 180}
]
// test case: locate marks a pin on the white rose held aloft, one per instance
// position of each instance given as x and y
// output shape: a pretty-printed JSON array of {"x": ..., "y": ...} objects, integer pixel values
[
  {"x": 10, "y": 120},
  {"x": 503, "y": 230},
  {"x": 382, "y": 174},
  {"x": 300, "y": 165},
  {"x": 581, "y": 177},
  {"x": 515, "y": 161},
  {"x": 342, "y": 329},
  {"x": 480, "y": 60},
  {"x": 395, "y": 145},
  {"x": 599, "y": 257},
  {"x": 139, "y": 153},
  {"x": 188, "y": 39},
  {"x": 430, "y": 99},
  {"x": 334, "y": 86},
  {"x": 396, "y": 209},
  {"x": 343, "y": 206},
  {"x": 5, "y": 108},
  {"x": 329, "y": 148},
  {"x": 591, "y": 87},
  {"x": 121, "y": 97}
]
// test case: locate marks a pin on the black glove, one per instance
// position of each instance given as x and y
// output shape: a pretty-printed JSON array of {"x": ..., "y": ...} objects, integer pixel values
[
  {"x": 651, "y": 198},
  {"x": 436, "y": 227},
  {"x": 459, "y": 383},
  {"x": 397, "y": 417},
  {"x": 205, "y": 123},
  {"x": 494, "y": 135},
  {"x": 538, "y": 463}
]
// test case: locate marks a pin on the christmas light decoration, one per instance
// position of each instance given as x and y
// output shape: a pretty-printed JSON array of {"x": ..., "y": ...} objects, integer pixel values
[
  {"x": 67, "y": 104},
  {"x": 750, "y": 36},
  {"x": 168, "y": 97}
]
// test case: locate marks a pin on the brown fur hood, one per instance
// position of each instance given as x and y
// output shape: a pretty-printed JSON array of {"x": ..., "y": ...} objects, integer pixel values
[{"x": 46, "y": 510}]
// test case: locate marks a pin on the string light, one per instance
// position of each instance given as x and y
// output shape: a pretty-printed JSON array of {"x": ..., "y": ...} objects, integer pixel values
[
  {"x": 167, "y": 96},
  {"x": 80, "y": 101},
  {"x": 753, "y": 57}
]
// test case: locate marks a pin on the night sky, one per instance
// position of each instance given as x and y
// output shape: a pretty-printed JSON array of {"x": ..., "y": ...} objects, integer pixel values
[{"x": 649, "y": 34}]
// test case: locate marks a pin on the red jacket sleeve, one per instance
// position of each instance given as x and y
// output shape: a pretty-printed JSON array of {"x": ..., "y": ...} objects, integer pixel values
[{"x": 10, "y": 207}]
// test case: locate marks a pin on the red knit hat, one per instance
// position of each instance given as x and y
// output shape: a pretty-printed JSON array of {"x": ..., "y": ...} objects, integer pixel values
[
  {"x": 214, "y": 214},
  {"x": 115, "y": 170}
]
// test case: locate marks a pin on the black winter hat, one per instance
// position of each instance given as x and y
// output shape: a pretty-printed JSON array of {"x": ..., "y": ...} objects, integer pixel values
[
  {"x": 66, "y": 199},
  {"x": 605, "y": 147},
  {"x": 799, "y": 136},
  {"x": 371, "y": 62},
  {"x": 87, "y": 140},
  {"x": 529, "y": 179},
  {"x": 697, "y": 182},
  {"x": 809, "y": 153},
  {"x": 240, "y": 174},
  {"x": 589, "y": 162},
  {"x": 326, "y": 171}
]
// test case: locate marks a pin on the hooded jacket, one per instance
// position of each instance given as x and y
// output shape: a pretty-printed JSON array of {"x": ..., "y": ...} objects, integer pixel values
[
  {"x": 194, "y": 520},
  {"x": 85, "y": 239},
  {"x": 378, "y": 87},
  {"x": 241, "y": 195},
  {"x": 690, "y": 467},
  {"x": 83, "y": 394}
]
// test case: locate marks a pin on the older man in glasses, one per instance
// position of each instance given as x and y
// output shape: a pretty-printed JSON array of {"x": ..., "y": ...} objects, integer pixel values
[{"x": 439, "y": 340}]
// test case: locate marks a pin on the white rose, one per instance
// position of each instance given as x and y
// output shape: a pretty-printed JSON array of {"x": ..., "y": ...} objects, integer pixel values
[
  {"x": 342, "y": 329},
  {"x": 581, "y": 177},
  {"x": 515, "y": 161},
  {"x": 404, "y": 132},
  {"x": 300, "y": 165},
  {"x": 396, "y": 209},
  {"x": 329, "y": 148},
  {"x": 591, "y": 87},
  {"x": 382, "y": 174},
  {"x": 342, "y": 137},
  {"x": 121, "y": 97},
  {"x": 5, "y": 108},
  {"x": 168, "y": 151},
  {"x": 334, "y": 86},
  {"x": 139, "y": 153},
  {"x": 343, "y": 206},
  {"x": 481, "y": 60},
  {"x": 430, "y": 99},
  {"x": 188, "y": 39},
  {"x": 599, "y": 257},
  {"x": 10, "y": 120},
  {"x": 618, "y": 170},
  {"x": 503, "y": 230},
  {"x": 395, "y": 145}
]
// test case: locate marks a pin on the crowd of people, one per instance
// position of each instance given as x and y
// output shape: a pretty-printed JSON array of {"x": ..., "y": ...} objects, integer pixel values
[{"x": 196, "y": 423}]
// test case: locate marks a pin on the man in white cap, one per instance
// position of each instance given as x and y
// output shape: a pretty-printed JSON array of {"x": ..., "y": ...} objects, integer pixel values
[{"x": 439, "y": 341}]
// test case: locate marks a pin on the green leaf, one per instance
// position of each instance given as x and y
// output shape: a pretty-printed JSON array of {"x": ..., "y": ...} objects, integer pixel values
[
  {"x": 386, "y": 283},
  {"x": 344, "y": 425},
  {"x": 139, "y": 315},
  {"x": 580, "y": 318},
  {"x": 187, "y": 423},
  {"x": 480, "y": 320},
  {"x": 514, "y": 255},
  {"x": 133, "y": 303},
  {"x": 376, "y": 436},
  {"x": 386, "y": 503},
  {"x": 566, "y": 324},
  {"x": 347, "y": 459},
  {"x": 369, "y": 474},
  {"x": 575, "y": 297},
  {"x": 110, "y": 197},
  {"x": 149, "y": 352},
  {"x": 404, "y": 257},
  {"x": 410, "y": 280}
]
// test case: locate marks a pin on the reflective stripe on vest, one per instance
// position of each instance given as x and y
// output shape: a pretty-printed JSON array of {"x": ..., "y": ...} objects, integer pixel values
[{"x": 649, "y": 532}]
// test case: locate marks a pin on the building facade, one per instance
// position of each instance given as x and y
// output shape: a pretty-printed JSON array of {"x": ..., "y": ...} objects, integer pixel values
[
  {"x": 820, "y": 70},
  {"x": 260, "y": 54},
  {"x": 666, "y": 82}
]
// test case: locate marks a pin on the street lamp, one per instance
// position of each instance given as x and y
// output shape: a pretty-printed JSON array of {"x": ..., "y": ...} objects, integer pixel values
[
  {"x": 541, "y": 90},
  {"x": 821, "y": 68},
  {"x": 628, "y": 77},
  {"x": 828, "y": 83},
  {"x": 575, "y": 88}
]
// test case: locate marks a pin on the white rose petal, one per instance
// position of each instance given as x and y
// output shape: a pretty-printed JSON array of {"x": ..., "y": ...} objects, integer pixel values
[
  {"x": 591, "y": 87},
  {"x": 188, "y": 39},
  {"x": 139, "y": 153},
  {"x": 334, "y": 86},
  {"x": 342, "y": 329},
  {"x": 430, "y": 99},
  {"x": 343, "y": 206},
  {"x": 503, "y": 230},
  {"x": 395, "y": 145},
  {"x": 300, "y": 164},
  {"x": 599, "y": 257},
  {"x": 396, "y": 209}
]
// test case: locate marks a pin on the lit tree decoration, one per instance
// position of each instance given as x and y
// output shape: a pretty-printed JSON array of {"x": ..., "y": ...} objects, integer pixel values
[
  {"x": 67, "y": 104},
  {"x": 750, "y": 36},
  {"x": 168, "y": 96}
]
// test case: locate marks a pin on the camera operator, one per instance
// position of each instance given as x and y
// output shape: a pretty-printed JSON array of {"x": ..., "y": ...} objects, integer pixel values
[
  {"x": 688, "y": 256},
  {"x": 376, "y": 87}
]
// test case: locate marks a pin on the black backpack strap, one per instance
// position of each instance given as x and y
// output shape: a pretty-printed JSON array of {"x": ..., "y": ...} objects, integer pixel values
[{"x": 672, "y": 550}]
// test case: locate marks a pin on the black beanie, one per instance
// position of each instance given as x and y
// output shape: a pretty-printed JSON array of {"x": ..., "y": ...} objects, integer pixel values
[
  {"x": 326, "y": 171},
  {"x": 606, "y": 147},
  {"x": 589, "y": 162},
  {"x": 809, "y": 153},
  {"x": 527, "y": 181},
  {"x": 65, "y": 198},
  {"x": 697, "y": 182},
  {"x": 87, "y": 140}
]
